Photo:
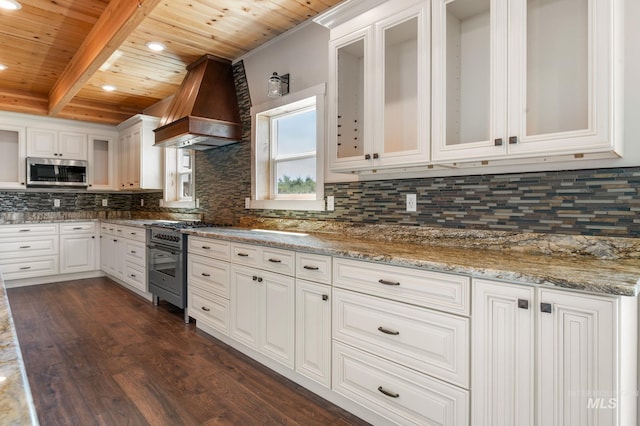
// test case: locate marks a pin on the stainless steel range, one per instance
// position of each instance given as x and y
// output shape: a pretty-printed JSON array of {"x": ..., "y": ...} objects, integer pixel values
[{"x": 167, "y": 262}]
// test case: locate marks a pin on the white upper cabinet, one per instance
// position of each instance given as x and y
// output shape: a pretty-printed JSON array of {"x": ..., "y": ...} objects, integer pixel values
[
  {"x": 379, "y": 88},
  {"x": 102, "y": 157},
  {"x": 140, "y": 163},
  {"x": 48, "y": 143},
  {"x": 524, "y": 78},
  {"x": 12, "y": 161}
]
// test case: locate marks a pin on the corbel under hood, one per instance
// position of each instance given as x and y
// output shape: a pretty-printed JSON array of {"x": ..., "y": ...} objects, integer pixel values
[{"x": 204, "y": 111}]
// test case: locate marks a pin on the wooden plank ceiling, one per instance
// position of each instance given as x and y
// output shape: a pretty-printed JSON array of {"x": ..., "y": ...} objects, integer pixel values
[{"x": 59, "y": 53}]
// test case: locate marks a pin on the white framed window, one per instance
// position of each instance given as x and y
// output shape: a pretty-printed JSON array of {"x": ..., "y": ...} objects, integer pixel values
[
  {"x": 179, "y": 187},
  {"x": 287, "y": 152}
]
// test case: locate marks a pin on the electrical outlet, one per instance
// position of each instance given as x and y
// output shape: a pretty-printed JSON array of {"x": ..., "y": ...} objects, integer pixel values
[
  {"x": 411, "y": 203},
  {"x": 197, "y": 203},
  {"x": 56, "y": 202},
  {"x": 141, "y": 202},
  {"x": 105, "y": 202},
  {"x": 161, "y": 203},
  {"x": 331, "y": 205},
  {"x": 247, "y": 203}
]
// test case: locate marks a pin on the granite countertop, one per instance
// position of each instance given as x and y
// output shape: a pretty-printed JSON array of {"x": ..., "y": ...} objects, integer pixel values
[
  {"x": 16, "y": 403},
  {"x": 608, "y": 266}
]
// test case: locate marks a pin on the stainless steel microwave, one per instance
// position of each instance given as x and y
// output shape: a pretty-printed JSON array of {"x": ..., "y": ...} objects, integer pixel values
[{"x": 56, "y": 172}]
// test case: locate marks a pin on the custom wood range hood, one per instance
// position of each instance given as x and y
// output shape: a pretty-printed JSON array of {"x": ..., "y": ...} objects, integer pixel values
[{"x": 204, "y": 112}]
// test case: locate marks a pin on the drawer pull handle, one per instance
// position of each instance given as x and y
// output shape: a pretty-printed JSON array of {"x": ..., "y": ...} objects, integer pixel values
[
  {"x": 386, "y": 331},
  {"x": 204, "y": 308},
  {"x": 206, "y": 248},
  {"x": 385, "y": 282},
  {"x": 77, "y": 228},
  {"x": 25, "y": 247},
  {"x": 275, "y": 260},
  {"x": 243, "y": 255},
  {"x": 24, "y": 268},
  {"x": 388, "y": 393},
  {"x": 310, "y": 268},
  {"x": 25, "y": 230},
  {"x": 204, "y": 274}
]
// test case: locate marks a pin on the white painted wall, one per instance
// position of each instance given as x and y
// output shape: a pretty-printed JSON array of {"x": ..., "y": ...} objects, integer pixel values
[{"x": 303, "y": 53}]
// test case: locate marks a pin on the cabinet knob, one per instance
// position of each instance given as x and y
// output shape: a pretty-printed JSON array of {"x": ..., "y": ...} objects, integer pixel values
[
  {"x": 325, "y": 297},
  {"x": 523, "y": 304},
  {"x": 367, "y": 156},
  {"x": 513, "y": 139},
  {"x": 545, "y": 307},
  {"x": 259, "y": 279},
  {"x": 497, "y": 142},
  {"x": 375, "y": 155}
]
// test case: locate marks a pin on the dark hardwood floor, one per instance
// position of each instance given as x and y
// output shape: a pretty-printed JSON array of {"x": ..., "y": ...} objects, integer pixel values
[{"x": 96, "y": 353}]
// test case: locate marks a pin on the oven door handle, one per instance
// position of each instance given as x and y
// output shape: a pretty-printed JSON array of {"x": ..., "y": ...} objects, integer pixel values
[{"x": 154, "y": 247}]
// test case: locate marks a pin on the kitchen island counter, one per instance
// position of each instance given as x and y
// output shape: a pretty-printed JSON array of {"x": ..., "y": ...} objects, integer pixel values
[{"x": 16, "y": 403}]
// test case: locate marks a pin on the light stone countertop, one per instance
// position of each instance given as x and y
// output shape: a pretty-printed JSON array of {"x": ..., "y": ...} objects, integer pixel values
[
  {"x": 16, "y": 403},
  {"x": 597, "y": 274}
]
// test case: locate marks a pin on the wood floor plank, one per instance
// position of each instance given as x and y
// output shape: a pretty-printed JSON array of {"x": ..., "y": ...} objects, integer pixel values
[{"x": 97, "y": 354}]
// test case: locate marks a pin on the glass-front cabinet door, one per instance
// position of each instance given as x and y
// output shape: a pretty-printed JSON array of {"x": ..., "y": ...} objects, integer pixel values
[
  {"x": 351, "y": 99},
  {"x": 14, "y": 151},
  {"x": 403, "y": 82},
  {"x": 523, "y": 78},
  {"x": 379, "y": 105}
]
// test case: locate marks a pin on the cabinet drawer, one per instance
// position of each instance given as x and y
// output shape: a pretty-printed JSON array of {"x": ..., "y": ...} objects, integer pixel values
[
  {"x": 446, "y": 292},
  {"x": 246, "y": 254},
  {"x": 313, "y": 267},
  {"x": 209, "y": 275},
  {"x": 431, "y": 342},
  {"x": 132, "y": 233},
  {"x": 397, "y": 393},
  {"x": 108, "y": 228},
  {"x": 208, "y": 247},
  {"x": 136, "y": 276},
  {"x": 209, "y": 310},
  {"x": 28, "y": 230},
  {"x": 278, "y": 260},
  {"x": 28, "y": 247},
  {"x": 37, "y": 267},
  {"x": 77, "y": 227},
  {"x": 135, "y": 252}
]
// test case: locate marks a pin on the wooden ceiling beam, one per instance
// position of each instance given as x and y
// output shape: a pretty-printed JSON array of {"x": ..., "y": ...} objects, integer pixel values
[{"x": 117, "y": 22}]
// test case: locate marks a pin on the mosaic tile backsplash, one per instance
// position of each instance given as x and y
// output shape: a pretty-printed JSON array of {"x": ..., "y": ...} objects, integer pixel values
[{"x": 602, "y": 202}]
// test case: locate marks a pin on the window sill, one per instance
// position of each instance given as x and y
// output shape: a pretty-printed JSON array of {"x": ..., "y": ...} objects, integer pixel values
[{"x": 306, "y": 205}]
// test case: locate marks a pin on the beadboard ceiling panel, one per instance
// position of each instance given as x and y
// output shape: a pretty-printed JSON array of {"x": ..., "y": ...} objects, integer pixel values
[{"x": 60, "y": 53}]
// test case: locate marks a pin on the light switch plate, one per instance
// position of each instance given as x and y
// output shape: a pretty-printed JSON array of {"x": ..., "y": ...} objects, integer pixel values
[
  {"x": 330, "y": 203},
  {"x": 411, "y": 203},
  {"x": 56, "y": 202},
  {"x": 105, "y": 202}
]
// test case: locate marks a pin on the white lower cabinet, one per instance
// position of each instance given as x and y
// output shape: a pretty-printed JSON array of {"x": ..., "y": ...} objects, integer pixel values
[
  {"x": 262, "y": 312},
  {"x": 392, "y": 352},
  {"x": 313, "y": 331},
  {"x": 397, "y": 393},
  {"x": 552, "y": 357},
  {"x": 123, "y": 254},
  {"x": 79, "y": 247},
  {"x": 29, "y": 250}
]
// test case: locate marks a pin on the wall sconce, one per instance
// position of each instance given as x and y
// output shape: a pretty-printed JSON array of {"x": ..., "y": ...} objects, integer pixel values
[{"x": 277, "y": 85}]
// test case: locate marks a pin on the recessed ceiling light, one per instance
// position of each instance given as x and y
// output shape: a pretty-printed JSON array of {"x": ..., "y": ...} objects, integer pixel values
[
  {"x": 3, "y": 67},
  {"x": 156, "y": 46},
  {"x": 109, "y": 88},
  {"x": 10, "y": 5}
]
